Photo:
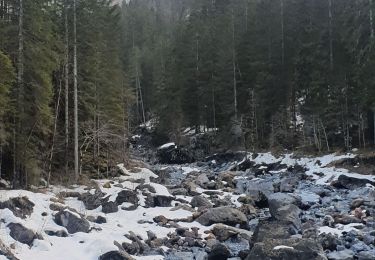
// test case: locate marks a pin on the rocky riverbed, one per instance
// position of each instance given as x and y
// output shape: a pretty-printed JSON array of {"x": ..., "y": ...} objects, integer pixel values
[{"x": 228, "y": 206}]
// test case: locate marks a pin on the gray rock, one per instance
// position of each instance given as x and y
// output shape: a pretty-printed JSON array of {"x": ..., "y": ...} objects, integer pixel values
[
  {"x": 109, "y": 207},
  {"x": 341, "y": 255},
  {"x": 21, "y": 234},
  {"x": 237, "y": 245},
  {"x": 127, "y": 196},
  {"x": 366, "y": 255},
  {"x": 72, "y": 222},
  {"x": 271, "y": 230},
  {"x": 200, "y": 201},
  {"x": 351, "y": 182},
  {"x": 278, "y": 200},
  {"x": 287, "y": 249},
  {"x": 224, "y": 215},
  {"x": 59, "y": 233},
  {"x": 131, "y": 248},
  {"x": 92, "y": 201},
  {"x": 179, "y": 256},
  {"x": 223, "y": 232},
  {"x": 219, "y": 252},
  {"x": 115, "y": 255},
  {"x": 202, "y": 180},
  {"x": 328, "y": 241},
  {"x": 289, "y": 214},
  {"x": 288, "y": 184},
  {"x": 20, "y": 206},
  {"x": 162, "y": 201}
]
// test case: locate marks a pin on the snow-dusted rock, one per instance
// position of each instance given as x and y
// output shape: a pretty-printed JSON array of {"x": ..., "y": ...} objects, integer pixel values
[
  {"x": 72, "y": 222},
  {"x": 224, "y": 215},
  {"x": 21, "y": 234}
]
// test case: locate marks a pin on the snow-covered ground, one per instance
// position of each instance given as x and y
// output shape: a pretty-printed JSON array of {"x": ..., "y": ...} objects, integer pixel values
[{"x": 101, "y": 238}]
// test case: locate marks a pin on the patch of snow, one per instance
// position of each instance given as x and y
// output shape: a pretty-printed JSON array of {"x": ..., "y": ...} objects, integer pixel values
[
  {"x": 167, "y": 145},
  {"x": 339, "y": 229},
  {"x": 282, "y": 247}
]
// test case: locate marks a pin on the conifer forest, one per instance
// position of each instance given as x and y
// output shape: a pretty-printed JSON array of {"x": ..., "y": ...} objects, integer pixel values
[{"x": 187, "y": 129}]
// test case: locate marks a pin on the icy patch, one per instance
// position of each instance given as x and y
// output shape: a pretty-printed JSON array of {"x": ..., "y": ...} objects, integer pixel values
[
  {"x": 339, "y": 229},
  {"x": 282, "y": 247},
  {"x": 141, "y": 174},
  {"x": 168, "y": 145}
]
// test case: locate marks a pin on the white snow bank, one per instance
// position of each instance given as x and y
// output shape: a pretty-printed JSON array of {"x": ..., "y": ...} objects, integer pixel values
[
  {"x": 165, "y": 146},
  {"x": 282, "y": 247},
  {"x": 138, "y": 173}
]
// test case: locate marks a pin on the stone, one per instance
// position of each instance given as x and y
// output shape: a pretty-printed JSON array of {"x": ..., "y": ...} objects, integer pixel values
[
  {"x": 328, "y": 241},
  {"x": 346, "y": 219},
  {"x": 92, "y": 201},
  {"x": 271, "y": 230},
  {"x": 59, "y": 233},
  {"x": 21, "y": 207},
  {"x": 219, "y": 252},
  {"x": 127, "y": 196},
  {"x": 357, "y": 203},
  {"x": 287, "y": 249},
  {"x": 131, "y": 248},
  {"x": 289, "y": 214},
  {"x": 341, "y": 255},
  {"x": 224, "y": 215},
  {"x": 21, "y": 234},
  {"x": 160, "y": 220},
  {"x": 202, "y": 180},
  {"x": 100, "y": 220},
  {"x": 72, "y": 222},
  {"x": 278, "y": 200},
  {"x": 115, "y": 255},
  {"x": 366, "y": 255},
  {"x": 351, "y": 183},
  {"x": 162, "y": 201},
  {"x": 109, "y": 207},
  {"x": 236, "y": 245},
  {"x": 223, "y": 232},
  {"x": 200, "y": 201}
]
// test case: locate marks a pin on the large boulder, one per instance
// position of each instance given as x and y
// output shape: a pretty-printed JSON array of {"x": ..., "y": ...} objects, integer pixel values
[
  {"x": 116, "y": 255},
  {"x": 271, "y": 230},
  {"x": 172, "y": 154},
  {"x": 283, "y": 208},
  {"x": 200, "y": 201},
  {"x": 287, "y": 249},
  {"x": 153, "y": 200},
  {"x": 21, "y": 234},
  {"x": 289, "y": 214},
  {"x": 219, "y": 252},
  {"x": 225, "y": 215},
  {"x": 92, "y": 201},
  {"x": 20, "y": 206},
  {"x": 127, "y": 196},
  {"x": 278, "y": 200},
  {"x": 224, "y": 232},
  {"x": 351, "y": 183},
  {"x": 109, "y": 207},
  {"x": 72, "y": 222}
]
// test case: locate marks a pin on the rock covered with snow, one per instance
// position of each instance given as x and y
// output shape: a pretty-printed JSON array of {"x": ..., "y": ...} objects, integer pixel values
[{"x": 72, "y": 222}]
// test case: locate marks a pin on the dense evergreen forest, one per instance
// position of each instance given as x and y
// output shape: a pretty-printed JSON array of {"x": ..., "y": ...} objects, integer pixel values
[{"x": 78, "y": 76}]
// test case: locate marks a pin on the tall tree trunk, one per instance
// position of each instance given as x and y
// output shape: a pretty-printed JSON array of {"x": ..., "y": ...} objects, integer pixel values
[
  {"x": 234, "y": 66},
  {"x": 282, "y": 33},
  {"x": 213, "y": 102},
  {"x": 371, "y": 19},
  {"x": 54, "y": 133},
  {"x": 330, "y": 18},
  {"x": 66, "y": 80},
  {"x": 76, "y": 156},
  {"x": 20, "y": 73}
]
